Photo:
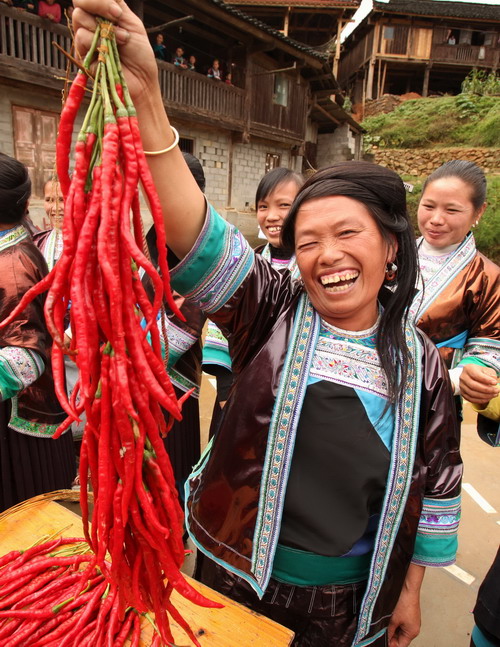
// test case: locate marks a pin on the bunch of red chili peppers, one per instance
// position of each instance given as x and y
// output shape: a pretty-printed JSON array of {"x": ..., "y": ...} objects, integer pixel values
[
  {"x": 115, "y": 342},
  {"x": 44, "y": 600}
]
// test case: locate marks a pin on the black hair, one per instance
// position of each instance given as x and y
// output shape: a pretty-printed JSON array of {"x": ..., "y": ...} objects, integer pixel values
[
  {"x": 196, "y": 169},
  {"x": 382, "y": 192},
  {"x": 468, "y": 172},
  {"x": 274, "y": 178},
  {"x": 15, "y": 190}
]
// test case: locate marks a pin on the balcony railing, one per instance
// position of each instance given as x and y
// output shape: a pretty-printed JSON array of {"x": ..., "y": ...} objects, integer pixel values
[
  {"x": 26, "y": 37},
  {"x": 465, "y": 54},
  {"x": 196, "y": 94}
]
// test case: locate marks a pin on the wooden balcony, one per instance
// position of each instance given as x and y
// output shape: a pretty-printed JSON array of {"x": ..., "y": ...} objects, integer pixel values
[
  {"x": 27, "y": 54},
  {"x": 470, "y": 55},
  {"x": 26, "y": 49}
]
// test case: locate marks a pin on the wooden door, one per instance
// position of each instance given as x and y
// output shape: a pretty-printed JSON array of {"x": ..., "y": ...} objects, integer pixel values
[
  {"x": 35, "y": 133},
  {"x": 421, "y": 43}
]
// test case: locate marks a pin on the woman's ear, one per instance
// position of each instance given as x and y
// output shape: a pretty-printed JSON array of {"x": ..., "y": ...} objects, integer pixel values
[{"x": 480, "y": 212}]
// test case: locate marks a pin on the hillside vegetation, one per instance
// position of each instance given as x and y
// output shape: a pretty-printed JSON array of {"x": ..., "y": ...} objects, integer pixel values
[{"x": 464, "y": 120}]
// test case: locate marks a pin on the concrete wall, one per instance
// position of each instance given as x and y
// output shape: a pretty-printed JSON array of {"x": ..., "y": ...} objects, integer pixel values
[{"x": 341, "y": 145}]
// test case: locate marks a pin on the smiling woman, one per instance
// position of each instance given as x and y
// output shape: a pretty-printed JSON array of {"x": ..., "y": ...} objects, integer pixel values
[
  {"x": 458, "y": 301},
  {"x": 334, "y": 477}
]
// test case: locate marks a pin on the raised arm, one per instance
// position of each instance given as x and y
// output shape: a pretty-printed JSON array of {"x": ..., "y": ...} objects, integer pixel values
[{"x": 182, "y": 201}]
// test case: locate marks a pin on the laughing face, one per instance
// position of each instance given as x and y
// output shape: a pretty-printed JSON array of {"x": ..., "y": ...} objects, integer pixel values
[
  {"x": 274, "y": 208},
  {"x": 342, "y": 257},
  {"x": 54, "y": 204}
]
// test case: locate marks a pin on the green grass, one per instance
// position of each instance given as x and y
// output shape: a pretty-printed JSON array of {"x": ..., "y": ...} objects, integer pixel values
[
  {"x": 487, "y": 233},
  {"x": 464, "y": 120}
]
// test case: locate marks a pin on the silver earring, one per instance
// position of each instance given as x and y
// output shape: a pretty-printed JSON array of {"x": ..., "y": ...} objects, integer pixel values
[{"x": 391, "y": 271}]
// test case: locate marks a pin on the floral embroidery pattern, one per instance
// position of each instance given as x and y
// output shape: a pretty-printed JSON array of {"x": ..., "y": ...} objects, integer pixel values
[{"x": 349, "y": 361}]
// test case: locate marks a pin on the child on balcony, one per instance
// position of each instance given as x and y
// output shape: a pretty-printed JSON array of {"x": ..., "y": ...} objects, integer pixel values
[
  {"x": 214, "y": 72},
  {"x": 50, "y": 9},
  {"x": 178, "y": 59}
]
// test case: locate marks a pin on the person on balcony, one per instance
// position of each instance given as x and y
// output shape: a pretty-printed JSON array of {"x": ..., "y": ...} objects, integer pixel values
[
  {"x": 25, "y": 5},
  {"x": 192, "y": 63},
  {"x": 214, "y": 72},
  {"x": 159, "y": 48},
  {"x": 178, "y": 59},
  {"x": 50, "y": 9}
]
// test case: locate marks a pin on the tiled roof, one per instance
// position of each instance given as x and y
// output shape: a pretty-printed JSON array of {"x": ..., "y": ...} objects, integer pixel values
[
  {"x": 237, "y": 13},
  {"x": 313, "y": 4},
  {"x": 470, "y": 10}
]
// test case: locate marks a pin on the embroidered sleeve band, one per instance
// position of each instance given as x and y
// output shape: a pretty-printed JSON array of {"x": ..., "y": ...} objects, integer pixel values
[
  {"x": 485, "y": 352},
  {"x": 19, "y": 368},
  {"x": 216, "y": 266},
  {"x": 216, "y": 348},
  {"x": 436, "y": 542}
]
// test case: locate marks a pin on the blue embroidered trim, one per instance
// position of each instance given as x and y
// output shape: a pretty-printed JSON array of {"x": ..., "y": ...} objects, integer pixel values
[
  {"x": 371, "y": 640},
  {"x": 12, "y": 237},
  {"x": 485, "y": 350},
  {"x": 216, "y": 266},
  {"x": 460, "y": 258},
  {"x": 281, "y": 439},
  {"x": 440, "y": 516},
  {"x": 398, "y": 483}
]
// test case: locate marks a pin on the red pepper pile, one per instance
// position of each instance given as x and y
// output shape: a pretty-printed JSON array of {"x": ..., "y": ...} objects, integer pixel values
[
  {"x": 123, "y": 383},
  {"x": 45, "y": 602}
]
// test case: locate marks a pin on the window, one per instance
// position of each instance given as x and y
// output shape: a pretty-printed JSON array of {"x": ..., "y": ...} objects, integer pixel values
[
  {"x": 273, "y": 160},
  {"x": 186, "y": 145},
  {"x": 280, "y": 95}
]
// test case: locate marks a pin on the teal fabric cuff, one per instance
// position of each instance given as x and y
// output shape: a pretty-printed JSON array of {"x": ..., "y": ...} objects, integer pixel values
[
  {"x": 434, "y": 550},
  {"x": 217, "y": 265},
  {"x": 217, "y": 357},
  {"x": 436, "y": 542},
  {"x": 10, "y": 385},
  {"x": 19, "y": 367},
  {"x": 471, "y": 360}
]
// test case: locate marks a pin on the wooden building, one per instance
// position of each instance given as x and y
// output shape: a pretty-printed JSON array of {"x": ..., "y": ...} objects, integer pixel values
[
  {"x": 423, "y": 46},
  {"x": 317, "y": 23},
  {"x": 279, "y": 110}
]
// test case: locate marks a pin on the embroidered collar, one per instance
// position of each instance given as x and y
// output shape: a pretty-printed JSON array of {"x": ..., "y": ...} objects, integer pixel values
[
  {"x": 12, "y": 237},
  {"x": 366, "y": 337},
  {"x": 280, "y": 264}
]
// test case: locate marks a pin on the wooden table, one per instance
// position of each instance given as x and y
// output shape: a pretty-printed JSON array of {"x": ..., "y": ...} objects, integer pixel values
[{"x": 227, "y": 627}]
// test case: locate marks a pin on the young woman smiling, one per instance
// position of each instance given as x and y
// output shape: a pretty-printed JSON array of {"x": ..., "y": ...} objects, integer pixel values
[{"x": 458, "y": 301}]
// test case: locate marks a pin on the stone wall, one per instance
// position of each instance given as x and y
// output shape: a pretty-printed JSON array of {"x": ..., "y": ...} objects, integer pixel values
[{"x": 421, "y": 162}]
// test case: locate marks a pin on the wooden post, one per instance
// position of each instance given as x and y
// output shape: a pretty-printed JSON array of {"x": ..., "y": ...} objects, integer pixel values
[
  {"x": 369, "y": 80},
  {"x": 336, "y": 58},
  {"x": 247, "y": 108},
  {"x": 373, "y": 60},
  {"x": 382, "y": 85},
  {"x": 425, "y": 87},
  {"x": 286, "y": 23}
]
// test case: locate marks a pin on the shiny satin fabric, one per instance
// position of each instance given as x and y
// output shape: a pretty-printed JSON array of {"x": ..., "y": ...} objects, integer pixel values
[
  {"x": 471, "y": 302},
  {"x": 223, "y": 505},
  {"x": 21, "y": 266}
]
